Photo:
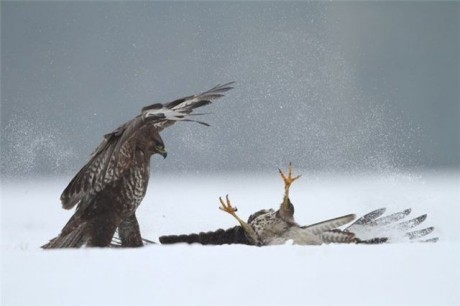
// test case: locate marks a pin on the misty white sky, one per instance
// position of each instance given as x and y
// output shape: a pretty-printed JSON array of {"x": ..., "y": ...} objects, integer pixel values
[{"x": 328, "y": 86}]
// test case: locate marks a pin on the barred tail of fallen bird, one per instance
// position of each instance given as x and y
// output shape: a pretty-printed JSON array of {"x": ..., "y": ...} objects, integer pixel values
[{"x": 234, "y": 235}]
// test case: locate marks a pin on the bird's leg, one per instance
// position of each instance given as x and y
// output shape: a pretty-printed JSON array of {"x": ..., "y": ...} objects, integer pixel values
[
  {"x": 129, "y": 233},
  {"x": 287, "y": 209},
  {"x": 228, "y": 208},
  {"x": 101, "y": 229}
]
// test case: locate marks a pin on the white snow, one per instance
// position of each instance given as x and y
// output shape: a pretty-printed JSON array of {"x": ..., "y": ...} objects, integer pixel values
[{"x": 390, "y": 274}]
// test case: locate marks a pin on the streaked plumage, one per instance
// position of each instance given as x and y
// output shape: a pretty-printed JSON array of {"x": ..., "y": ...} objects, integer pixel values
[
  {"x": 270, "y": 227},
  {"x": 111, "y": 185}
]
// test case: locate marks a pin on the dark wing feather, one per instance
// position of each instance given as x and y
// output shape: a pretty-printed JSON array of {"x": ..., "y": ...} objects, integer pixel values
[
  {"x": 370, "y": 216},
  {"x": 106, "y": 165},
  {"x": 390, "y": 218},
  {"x": 164, "y": 115}
]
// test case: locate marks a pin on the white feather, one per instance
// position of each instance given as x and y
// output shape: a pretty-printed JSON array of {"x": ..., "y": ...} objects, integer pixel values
[
  {"x": 168, "y": 113},
  {"x": 186, "y": 103}
]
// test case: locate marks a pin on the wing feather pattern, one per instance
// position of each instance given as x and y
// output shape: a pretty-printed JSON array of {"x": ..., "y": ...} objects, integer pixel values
[
  {"x": 167, "y": 114},
  {"x": 105, "y": 165},
  {"x": 114, "y": 155},
  {"x": 330, "y": 224}
]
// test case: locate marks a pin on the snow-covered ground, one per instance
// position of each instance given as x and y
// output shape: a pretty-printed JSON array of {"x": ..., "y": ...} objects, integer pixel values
[{"x": 417, "y": 274}]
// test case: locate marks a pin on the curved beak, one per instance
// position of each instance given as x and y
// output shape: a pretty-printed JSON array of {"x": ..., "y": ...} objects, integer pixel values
[{"x": 163, "y": 153}]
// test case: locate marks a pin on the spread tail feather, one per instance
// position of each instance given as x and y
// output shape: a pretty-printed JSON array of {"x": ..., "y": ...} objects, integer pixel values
[{"x": 75, "y": 239}]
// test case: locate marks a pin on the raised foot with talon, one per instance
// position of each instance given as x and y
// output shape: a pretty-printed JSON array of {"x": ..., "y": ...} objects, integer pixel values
[
  {"x": 289, "y": 179},
  {"x": 227, "y": 206}
]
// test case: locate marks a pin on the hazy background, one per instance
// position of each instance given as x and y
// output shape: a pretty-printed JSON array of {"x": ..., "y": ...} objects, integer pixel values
[{"x": 329, "y": 86}]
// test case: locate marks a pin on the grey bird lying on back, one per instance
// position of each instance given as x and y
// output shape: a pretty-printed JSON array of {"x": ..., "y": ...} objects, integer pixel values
[
  {"x": 270, "y": 227},
  {"x": 111, "y": 185}
]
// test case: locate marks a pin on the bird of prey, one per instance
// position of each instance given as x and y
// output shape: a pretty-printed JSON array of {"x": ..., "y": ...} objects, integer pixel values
[
  {"x": 111, "y": 185},
  {"x": 270, "y": 227}
]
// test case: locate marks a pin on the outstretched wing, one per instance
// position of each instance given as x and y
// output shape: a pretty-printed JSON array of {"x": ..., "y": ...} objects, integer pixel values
[
  {"x": 106, "y": 165},
  {"x": 164, "y": 115},
  {"x": 373, "y": 226},
  {"x": 115, "y": 153}
]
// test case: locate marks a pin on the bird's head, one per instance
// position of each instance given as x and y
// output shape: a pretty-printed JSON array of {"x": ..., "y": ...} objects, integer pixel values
[
  {"x": 156, "y": 145},
  {"x": 160, "y": 149}
]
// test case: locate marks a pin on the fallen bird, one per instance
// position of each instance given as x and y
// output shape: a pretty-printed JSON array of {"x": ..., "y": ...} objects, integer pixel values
[{"x": 270, "y": 227}]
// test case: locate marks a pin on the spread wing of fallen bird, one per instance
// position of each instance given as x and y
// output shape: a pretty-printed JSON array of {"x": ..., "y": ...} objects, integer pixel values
[
  {"x": 111, "y": 185},
  {"x": 270, "y": 227}
]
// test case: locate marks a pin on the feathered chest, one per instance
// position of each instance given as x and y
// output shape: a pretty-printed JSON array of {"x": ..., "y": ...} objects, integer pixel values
[
  {"x": 133, "y": 185},
  {"x": 268, "y": 226}
]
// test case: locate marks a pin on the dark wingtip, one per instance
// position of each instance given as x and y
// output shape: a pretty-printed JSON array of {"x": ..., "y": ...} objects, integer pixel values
[
  {"x": 228, "y": 84},
  {"x": 65, "y": 203},
  {"x": 203, "y": 123},
  {"x": 412, "y": 223},
  {"x": 367, "y": 218},
  {"x": 432, "y": 240},
  {"x": 222, "y": 88},
  {"x": 420, "y": 233}
]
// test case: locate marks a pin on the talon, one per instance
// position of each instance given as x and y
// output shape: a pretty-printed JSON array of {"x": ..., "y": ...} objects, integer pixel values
[
  {"x": 286, "y": 208},
  {"x": 282, "y": 175},
  {"x": 288, "y": 180},
  {"x": 227, "y": 206}
]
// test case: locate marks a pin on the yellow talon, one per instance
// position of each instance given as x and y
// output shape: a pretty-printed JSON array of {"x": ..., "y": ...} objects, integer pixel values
[
  {"x": 288, "y": 180},
  {"x": 227, "y": 207}
]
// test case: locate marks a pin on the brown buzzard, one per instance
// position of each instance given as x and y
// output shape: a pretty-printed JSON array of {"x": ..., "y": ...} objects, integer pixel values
[
  {"x": 111, "y": 185},
  {"x": 270, "y": 227}
]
